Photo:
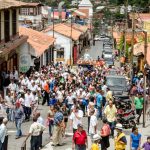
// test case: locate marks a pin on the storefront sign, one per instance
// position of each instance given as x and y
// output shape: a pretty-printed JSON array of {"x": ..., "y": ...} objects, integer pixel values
[{"x": 25, "y": 61}]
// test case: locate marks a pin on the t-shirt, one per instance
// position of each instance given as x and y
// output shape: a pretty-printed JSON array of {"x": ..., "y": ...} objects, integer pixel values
[
  {"x": 135, "y": 140},
  {"x": 36, "y": 128},
  {"x": 80, "y": 138},
  {"x": 95, "y": 147},
  {"x": 69, "y": 98},
  {"x": 75, "y": 120},
  {"x": 146, "y": 146},
  {"x": 110, "y": 113},
  {"x": 138, "y": 103},
  {"x": 99, "y": 100},
  {"x": 93, "y": 123},
  {"x": 28, "y": 100}
]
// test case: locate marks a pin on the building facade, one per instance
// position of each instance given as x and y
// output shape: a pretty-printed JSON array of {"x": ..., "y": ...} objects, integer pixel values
[
  {"x": 31, "y": 14},
  {"x": 10, "y": 41}
]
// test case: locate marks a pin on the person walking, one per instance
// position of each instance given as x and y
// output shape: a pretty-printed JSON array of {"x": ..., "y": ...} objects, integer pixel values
[
  {"x": 3, "y": 134},
  {"x": 76, "y": 117},
  {"x": 146, "y": 145},
  {"x": 27, "y": 105},
  {"x": 99, "y": 103},
  {"x": 79, "y": 141},
  {"x": 139, "y": 101},
  {"x": 58, "y": 127},
  {"x": 135, "y": 139},
  {"x": 105, "y": 133},
  {"x": 50, "y": 119},
  {"x": 96, "y": 141},
  {"x": 93, "y": 124},
  {"x": 46, "y": 93},
  {"x": 65, "y": 112},
  {"x": 90, "y": 108},
  {"x": 120, "y": 139},
  {"x": 35, "y": 131},
  {"x": 40, "y": 120},
  {"x": 18, "y": 115},
  {"x": 110, "y": 113}
]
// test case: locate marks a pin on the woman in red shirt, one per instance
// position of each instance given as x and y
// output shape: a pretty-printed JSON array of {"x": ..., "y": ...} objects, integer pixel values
[{"x": 79, "y": 141}]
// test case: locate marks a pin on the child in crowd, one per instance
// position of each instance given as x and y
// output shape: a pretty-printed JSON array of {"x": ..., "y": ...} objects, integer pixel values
[{"x": 146, "y": 145}]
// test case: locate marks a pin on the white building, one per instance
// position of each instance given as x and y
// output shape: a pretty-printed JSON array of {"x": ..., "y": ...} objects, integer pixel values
[
  {"x": 37, "y": 51},
  {"x": 67, "y": 49},
  {"x": 31, "y": 14}
]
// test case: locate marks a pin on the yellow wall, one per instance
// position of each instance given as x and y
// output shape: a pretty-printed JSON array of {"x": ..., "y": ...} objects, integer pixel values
[{"x": 147, "y": 26}]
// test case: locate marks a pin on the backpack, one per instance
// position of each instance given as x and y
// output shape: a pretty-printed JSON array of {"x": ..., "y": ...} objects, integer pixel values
[{"x": 105, "y": 131}]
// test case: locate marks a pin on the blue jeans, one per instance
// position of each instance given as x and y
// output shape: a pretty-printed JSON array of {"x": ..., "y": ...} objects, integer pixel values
[
  {"x": 1, "y": 146},
  {"x": 99, "y": 112},
  {"x": 112, "y": 127},
  {"x": 18, "y": 123}
]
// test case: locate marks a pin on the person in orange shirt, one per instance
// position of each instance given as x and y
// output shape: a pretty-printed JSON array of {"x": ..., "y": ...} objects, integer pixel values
[{"x": 46, "y": 93}]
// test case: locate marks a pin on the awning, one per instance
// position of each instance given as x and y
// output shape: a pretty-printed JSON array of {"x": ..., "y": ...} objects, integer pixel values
[
  {"x": 39, "y": 41},
  {"x": 12, "y": 45},
  {"x": 139, "y": 49}
]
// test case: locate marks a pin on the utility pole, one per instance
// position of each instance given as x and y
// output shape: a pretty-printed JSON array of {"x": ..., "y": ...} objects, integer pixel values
[
  {"x": 71, "y": 42},
  {"x": 145, "y": 62},
  {"x": 133, "y": 34},
  {"x": 126, "y": 25}
]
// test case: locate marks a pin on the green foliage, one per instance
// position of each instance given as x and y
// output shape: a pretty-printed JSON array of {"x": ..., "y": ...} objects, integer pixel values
[
  {"x": 53, "y": 3},
  {"x": 140, "y": 3}
]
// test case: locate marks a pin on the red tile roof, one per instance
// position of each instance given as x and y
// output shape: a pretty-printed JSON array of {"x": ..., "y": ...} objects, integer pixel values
[
  {"x": 65, "y": 30},
  {"x": 78, "y": 27},
  {"x": 33, "y": 4},
  {"x": 38, "y": 40}
]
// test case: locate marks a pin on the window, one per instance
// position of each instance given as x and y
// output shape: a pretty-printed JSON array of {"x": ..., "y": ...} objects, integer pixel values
[
  {"x": 24, "y": 11},
  {"x": 60, "y": 53},
  {"x": 14, "y": 20},
  {"x": 31, "y": 11},
  {"x": 6, "y": 25}
]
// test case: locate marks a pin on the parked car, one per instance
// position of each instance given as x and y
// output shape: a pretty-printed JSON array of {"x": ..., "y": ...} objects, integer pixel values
[
  {"x": 101, "y": 38},
  {"x": 107, "y": 53},
  {"x": 117, "y": 84},
  {"x": 109, "y": 62}
]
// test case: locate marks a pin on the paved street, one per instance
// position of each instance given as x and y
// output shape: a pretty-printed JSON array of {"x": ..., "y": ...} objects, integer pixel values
[
  {"x": 14, "y": 144},
  {"x": 96, "y": 50}
]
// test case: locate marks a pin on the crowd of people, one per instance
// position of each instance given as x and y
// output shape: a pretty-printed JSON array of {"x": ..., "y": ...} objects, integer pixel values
[{"x": 71, "y": 95}]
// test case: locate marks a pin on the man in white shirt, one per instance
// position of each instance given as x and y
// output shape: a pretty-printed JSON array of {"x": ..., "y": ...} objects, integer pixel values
[
  {"x": 27, "y": 102},
  {"x": 12, "y": 86},
  {"x": 93, "y": 124},
  {"x": 16, "y": 75},
  {"x": 40, "y": 120},
  {"x": 70, "y": 100},
  {"x": 33, "y": 87},
  {"x": 3, "y": 134},
  {"x": 76, "y": 118},
  {"x": 35, "y": 130}
]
